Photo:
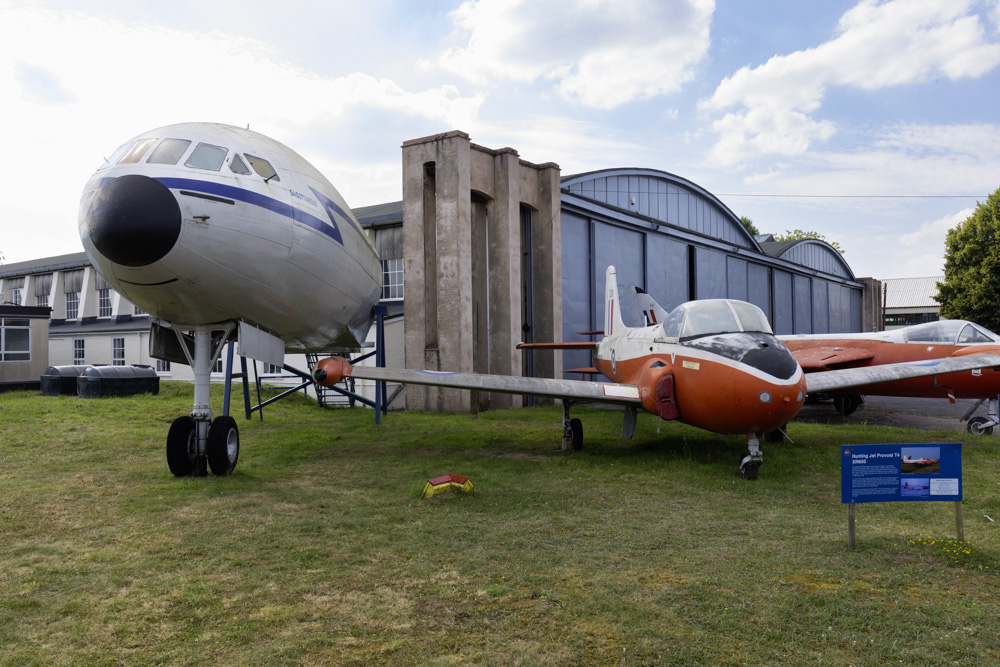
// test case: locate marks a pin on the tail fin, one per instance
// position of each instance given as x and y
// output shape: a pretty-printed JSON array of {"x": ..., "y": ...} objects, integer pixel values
[{"x": 613, "y": 322}]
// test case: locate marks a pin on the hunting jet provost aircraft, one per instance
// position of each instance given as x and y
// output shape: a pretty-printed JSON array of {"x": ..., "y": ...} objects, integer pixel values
[
  {"x": 224, "y": 234},
  {"x": 915, "y": 344},
  {"x": 714, "y": 364}
]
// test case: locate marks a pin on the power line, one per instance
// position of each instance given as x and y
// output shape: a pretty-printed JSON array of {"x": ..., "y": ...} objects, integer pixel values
[{"x": 745, "y": 194}]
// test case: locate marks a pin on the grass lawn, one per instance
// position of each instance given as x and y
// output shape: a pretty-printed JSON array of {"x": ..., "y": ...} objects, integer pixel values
[{"x": 320, "y": 550}]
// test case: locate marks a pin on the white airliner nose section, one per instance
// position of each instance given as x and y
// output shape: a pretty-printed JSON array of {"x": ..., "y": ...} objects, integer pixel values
[{"x": 132, "y": 220}]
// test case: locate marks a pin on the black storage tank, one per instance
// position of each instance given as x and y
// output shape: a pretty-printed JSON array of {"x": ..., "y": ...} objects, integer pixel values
[
  {"x": 101, "y": 381},
  {"x": 61, "y": 380}
]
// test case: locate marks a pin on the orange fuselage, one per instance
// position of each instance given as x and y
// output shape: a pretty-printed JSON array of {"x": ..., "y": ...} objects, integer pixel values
[{"x": 710, "y": 391}]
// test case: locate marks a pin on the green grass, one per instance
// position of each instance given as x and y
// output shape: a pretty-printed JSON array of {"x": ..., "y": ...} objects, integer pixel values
[{"x": 320, "y": 550}]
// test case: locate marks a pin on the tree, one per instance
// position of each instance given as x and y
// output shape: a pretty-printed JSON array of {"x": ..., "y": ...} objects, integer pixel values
[
  {"x": 971, "y": 286},
  {"x": 798, "y": 235},
  {"x": 748, "y": 223}
]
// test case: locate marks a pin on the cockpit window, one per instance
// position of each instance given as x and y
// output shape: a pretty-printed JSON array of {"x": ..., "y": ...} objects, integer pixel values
[
  {"x": 263, "y": 168},
  {"x": 169, "y": 151},
  {"x": 945, "y": 331},
  {"x": 207, "y": 156},
  {"x": 751, "y": 317},
  {"x": 708, "y": 317},
  {"x": 116, "y": 155},
  {"x": 714, "y": 316},
  {"x": 238, "y": 166},
  {"x": 135, "y": 153},
  {"x": 974, "y": 334}
]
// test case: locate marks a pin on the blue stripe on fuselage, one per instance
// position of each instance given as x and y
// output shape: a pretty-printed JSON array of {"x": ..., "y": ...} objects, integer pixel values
[{"x": 330, "y": 228}]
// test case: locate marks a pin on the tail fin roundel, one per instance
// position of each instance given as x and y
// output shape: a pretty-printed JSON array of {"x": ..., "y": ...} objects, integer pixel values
[{"x": 613, "y": 322}]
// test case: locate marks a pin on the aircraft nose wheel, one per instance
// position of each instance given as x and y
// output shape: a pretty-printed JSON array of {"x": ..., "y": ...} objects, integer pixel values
[
  {"x": 750, "y": 463},
  {"x": 182, "y": 447},
  {"x": 223, "y": 445}
]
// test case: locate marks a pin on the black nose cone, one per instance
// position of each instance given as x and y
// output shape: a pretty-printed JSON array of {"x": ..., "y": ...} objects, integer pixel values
[{"x": 134, "y": 220}]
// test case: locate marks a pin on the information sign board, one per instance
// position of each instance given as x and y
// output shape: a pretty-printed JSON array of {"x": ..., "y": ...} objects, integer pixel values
[{"x": 894, "y": 473}]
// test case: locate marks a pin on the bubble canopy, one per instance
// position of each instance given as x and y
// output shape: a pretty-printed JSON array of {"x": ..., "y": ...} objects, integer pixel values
[{"x": 714, "y": 316}]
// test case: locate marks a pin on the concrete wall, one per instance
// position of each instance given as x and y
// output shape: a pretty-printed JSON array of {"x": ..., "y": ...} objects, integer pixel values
[{"x": 464, "y": 209}]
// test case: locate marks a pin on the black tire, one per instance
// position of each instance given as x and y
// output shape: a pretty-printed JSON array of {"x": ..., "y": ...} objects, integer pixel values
[
  {"x": 846, "y": 405},
  {"x": 223, "y": 445},
  {"x": 974, "y": 426},
  {"x": 749, "y": 471},
  {"x": 182, "y": 447},
  {"x": 576, "y": 434}
]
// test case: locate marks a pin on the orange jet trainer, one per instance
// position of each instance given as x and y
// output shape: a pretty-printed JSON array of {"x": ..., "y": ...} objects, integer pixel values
[
  {"x": 713, "y": 364},
  {"x": 914, "y": 344}
]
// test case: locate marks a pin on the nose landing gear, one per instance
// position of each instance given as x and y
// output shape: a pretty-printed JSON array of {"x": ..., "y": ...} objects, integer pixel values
[{"x": 750, "y": 463}]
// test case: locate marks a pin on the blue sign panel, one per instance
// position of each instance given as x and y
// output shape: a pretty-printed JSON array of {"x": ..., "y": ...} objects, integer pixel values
[{"x": 893, "y": 473}]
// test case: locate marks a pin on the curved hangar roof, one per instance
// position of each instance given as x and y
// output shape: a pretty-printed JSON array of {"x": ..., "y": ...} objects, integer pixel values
[{"x": 666, "y": 198}]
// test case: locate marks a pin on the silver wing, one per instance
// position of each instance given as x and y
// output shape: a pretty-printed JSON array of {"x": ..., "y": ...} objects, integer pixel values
[{"x": 857, "y": 377}]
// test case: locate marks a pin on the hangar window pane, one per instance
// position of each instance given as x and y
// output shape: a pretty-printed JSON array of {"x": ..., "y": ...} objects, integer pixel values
[
  {"x": 238, "y": 166},
  {"x": 263, "y": 168},
  {"x": 392, "y": 279},
  {"x": 169, "y": 151},
  {"x": 207, "y": 156},
  {"x": 138, "y": 149}
]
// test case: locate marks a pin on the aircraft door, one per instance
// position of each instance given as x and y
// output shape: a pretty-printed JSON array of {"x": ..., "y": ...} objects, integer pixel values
[{"x": 666, "y": 403}]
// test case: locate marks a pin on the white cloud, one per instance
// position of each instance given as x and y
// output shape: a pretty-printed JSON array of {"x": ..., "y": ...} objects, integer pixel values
[
  {"x": 877, "y": 45},
  {"x": 933, "y": 233},
  {"x": 601, "y": 53},
  {"x": 77, "y": 86}
]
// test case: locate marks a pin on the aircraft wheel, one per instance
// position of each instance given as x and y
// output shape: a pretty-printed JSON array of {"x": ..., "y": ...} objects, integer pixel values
[
  {"x": 223, "y": 445},
  {"x": 182, "y": 447},
  {"x": 576, "y": 431},
  {"x": 749, "y": 471},
  {"x": 975, "y": 425},
  {"x": 846, "y": 405}
]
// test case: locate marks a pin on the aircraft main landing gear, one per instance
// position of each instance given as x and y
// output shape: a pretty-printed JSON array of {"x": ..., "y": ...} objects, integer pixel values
[
  {"x": 984, "y": 425},
  {"x": 751, "y": 462},
  {"x": 572, "y": 429}
]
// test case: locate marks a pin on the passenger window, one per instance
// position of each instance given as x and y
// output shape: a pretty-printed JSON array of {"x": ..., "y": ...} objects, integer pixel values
[
  {"x": 263, "y": 168},
  {"x": 207, "y": 156},
  {"x": 238, "y": 166},
  {"x": 169, "y": 151},
  {"x": 138, "y": 149}
]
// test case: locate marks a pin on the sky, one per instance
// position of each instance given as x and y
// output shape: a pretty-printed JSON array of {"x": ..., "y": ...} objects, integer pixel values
[{"x": 875, "y": 124}]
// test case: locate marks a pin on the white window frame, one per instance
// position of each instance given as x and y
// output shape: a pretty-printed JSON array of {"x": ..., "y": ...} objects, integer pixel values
[
  {"x": 162, "y": 366},
  {"x": 72, "y": 305},
  {"x": 392, "y": 279},
  {"x": 118, "y": 351},
  {"x": 18, "y": 324},
  {"x": 15, "y": 296},
  {"x": 82, "y": 349},
  {"x": 105, "y": 302}
]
